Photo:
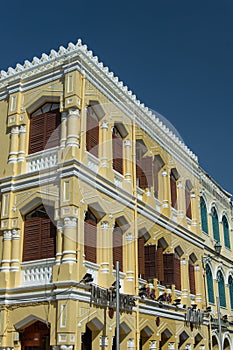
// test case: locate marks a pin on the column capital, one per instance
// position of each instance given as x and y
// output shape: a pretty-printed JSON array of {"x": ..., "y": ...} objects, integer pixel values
[
  {"x": 70, "y": 222},
  {"x": 7, "y": 235},
  {"x": 104, "y": 225},
  {"x": 73, "y": 112},
  {"x": 104, "y": 124},
  {"x": 127, "y": 143}
]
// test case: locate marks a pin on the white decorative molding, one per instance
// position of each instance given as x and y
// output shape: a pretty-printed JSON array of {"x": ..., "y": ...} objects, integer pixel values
[
  {"x": 42, "y": 160},
  {"x": 104, "y": 124},
  {"x": 104, "y": 225},
  {"x": 37, "y": 272}
]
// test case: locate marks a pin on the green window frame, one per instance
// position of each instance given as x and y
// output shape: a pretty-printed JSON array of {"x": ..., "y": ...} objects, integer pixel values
[
  {"x": 221, "y": 289},
  {"x": 204, "y": 217},
  {"x": 215, "y": 224},
  {"x": 210, "y": 286},
  {"x": 230, "y": 283},
  {"x": 226, "y": 232}
]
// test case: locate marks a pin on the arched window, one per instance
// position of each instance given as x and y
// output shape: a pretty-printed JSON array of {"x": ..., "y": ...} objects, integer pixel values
[
  {"x": 210, "y": 286},
  {"x": 44, "y": 131},
  {"x": 230, "y": 283},
  {"x": 226, "y": 232},
  {"x": 221, "y": 289},
  {"x": 117, "y": 150},
  {"x": 92, "y": 132},
  {"x": 39, "y": 235},
  {"x": 173, "y": 178},
  {"x": 215, "y": 224},
  {"x": 204, "y": 217}
]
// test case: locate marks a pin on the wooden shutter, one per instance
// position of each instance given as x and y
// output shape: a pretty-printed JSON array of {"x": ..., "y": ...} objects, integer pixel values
[
  {"x": 117, "y": 247},
  {"x": 117, "y": 153},
  {"x": 188, "y": 203},
  {"x": 141, "y": 256},
  {"x": 48, "y": 239},
  {"x": 150, "y": 261},
  {"x": 144, "y": 172},
  {"x": 52, "y": 135},
  {"x": 173, "y": 191},
  {"x": 92, "y": 135},
  {"x": 159, "y": 264},
  {"x": 192, "y": 279},
  {"x": 37, "y": 131},
  {"x": 172, "y": 270},
  {"x": 90, "y": 233},
  {"x": 177, "y": 276},
  {"x": 31, "y": 244},
  {"x": 156, "y": 169}
]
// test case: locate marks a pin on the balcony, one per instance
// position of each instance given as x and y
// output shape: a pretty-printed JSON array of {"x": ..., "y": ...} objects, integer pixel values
[{"x": 37, "y": 272}]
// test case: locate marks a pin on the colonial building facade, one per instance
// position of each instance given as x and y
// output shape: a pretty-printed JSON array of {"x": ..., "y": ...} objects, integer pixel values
[{"x": 90, "y": 176}]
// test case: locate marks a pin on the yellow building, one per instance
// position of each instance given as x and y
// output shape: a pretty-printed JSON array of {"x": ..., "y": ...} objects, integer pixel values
[{"x": 90, "y": 176}]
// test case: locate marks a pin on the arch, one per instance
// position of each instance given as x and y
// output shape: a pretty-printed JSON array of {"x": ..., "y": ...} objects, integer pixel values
[
  {"x": 204, "y": 215},
  {"x": 158, "y": 164},
  {"x": 227, "y": 342},
  {"x": 215, "y": 224},
  {"x": 41, "y": 99},
  {"x": 221, "y": 289},
  {"x": 226, "y": 233},
  {"x": 27, "y": 321},
  {"x": 215, "y": 342},
  {"x": 210, "y": 285},
  {"x": 90, "y": 235}
]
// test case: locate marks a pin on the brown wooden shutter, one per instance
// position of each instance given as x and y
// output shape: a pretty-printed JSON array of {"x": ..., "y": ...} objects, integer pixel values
[
  {"x": 192, "y": 285},
  {"x": 117, "y": 153},
  {"x": 92, "y": 135},
  {"x": 31, "y": 244},
  {"x": 117, "y": 247},
  {"x": 144, "y": 172},
  {"x": 188, "y": 203},
  {"x": 177, "y": 276},
  {"x": 150, "y": 261},
  {"x": 141, "y": 256},
  {"x": 90, "y": 235},
  {"x": 156, "y": 169},
  {"x": 172, "y": 270},
  {"x": 37, "y": 131},
  {"x": 159, "y": 264},
  {"x": 173, "y": 191},
  {"x": 48, "y": 239},
  {"x": 52, "y": 135}
]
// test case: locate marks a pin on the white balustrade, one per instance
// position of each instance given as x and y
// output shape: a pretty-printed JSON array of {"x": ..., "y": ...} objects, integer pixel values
[
  {"x": 37, "y": 272},
  {"x": 42, "y": 160}
]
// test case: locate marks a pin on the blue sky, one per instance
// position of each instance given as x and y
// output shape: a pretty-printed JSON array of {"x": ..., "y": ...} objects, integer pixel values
[{"x": 176, "y": 56}]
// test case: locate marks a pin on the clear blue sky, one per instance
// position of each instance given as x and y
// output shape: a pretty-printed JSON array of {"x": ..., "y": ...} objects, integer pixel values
[{"x": 175, "y": 55}]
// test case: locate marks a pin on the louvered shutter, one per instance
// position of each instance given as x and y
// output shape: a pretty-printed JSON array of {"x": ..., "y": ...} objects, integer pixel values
[
  {"x": 156, "y": 169},
  {"x": 192, "y": 279},
  {"x": 117, "y": 247},
  {"x": 37, "y": 132},
  {"x": 117, "y": 153},
  {"x": 92, "y": 135},
  {"x": 52, "y": 135},
  {"x": 177, "y": 276},
  {"x": 90, "y": 231},
  {"x": 159, "y": 264},
  {"x": 141, "y": 257},
  {"x": 173, "y": 191},
  {"x": 168, "y": 261},
  {"x": 150, "y": 262},
  {"x": 31, "y": 244},
  {"x": 48, "y": 239},
  {"x": 188, "y": 203},
  {"x": 144, "y": 172}
]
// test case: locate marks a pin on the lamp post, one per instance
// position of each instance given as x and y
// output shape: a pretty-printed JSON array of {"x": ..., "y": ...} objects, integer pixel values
[{"x": 117, "y": 307}]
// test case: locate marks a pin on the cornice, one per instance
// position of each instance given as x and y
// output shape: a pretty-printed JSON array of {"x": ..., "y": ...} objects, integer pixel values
[{"x": 22, "y": 74}]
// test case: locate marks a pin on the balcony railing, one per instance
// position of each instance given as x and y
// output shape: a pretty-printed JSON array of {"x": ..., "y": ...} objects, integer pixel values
[
  {"x": 42, "y": 160},
  {"x": 37, "y": 272}
]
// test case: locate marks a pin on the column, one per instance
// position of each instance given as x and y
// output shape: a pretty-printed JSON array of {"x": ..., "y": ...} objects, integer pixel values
[
  {"x": 63, "y": 129},
  {"x": 22, "y": 143},
  {"x": 128, "y": 160},
  {"x": 185, "y": 280},
  {"x": 104, "y": 246},
  {"x": 14, "y": 144},
  {"x": 69, "y": 240},
  {"x": 15, "y": 249},
  {"x": 166, "y": 194},
  {"x": 104, "y": 146},
  {"x": 73, "y": 127},
  {"x": 103, "y": 342},
  {"x": 181, "y": 200},
  {"x": 199, "y": 284},
  {"x": 59, "y": 242},
  {"x": 194, "y": 209},
  {"x": 171, "y": 346},
  {"x": 129, "y": 256},
  {"x": 7, "y": 235}
]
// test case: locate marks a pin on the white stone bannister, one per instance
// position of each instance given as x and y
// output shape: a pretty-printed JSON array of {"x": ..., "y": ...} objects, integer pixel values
[
  {"x": 42, "y": 160},
  {"x": 37, "y": 272},
  {"x": 118, "y": 179}
]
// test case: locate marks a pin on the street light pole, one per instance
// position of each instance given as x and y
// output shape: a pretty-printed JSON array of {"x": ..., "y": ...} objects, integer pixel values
[
  {"x": 219, "y": 314},
  {"x": 117, "y": 307}
]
